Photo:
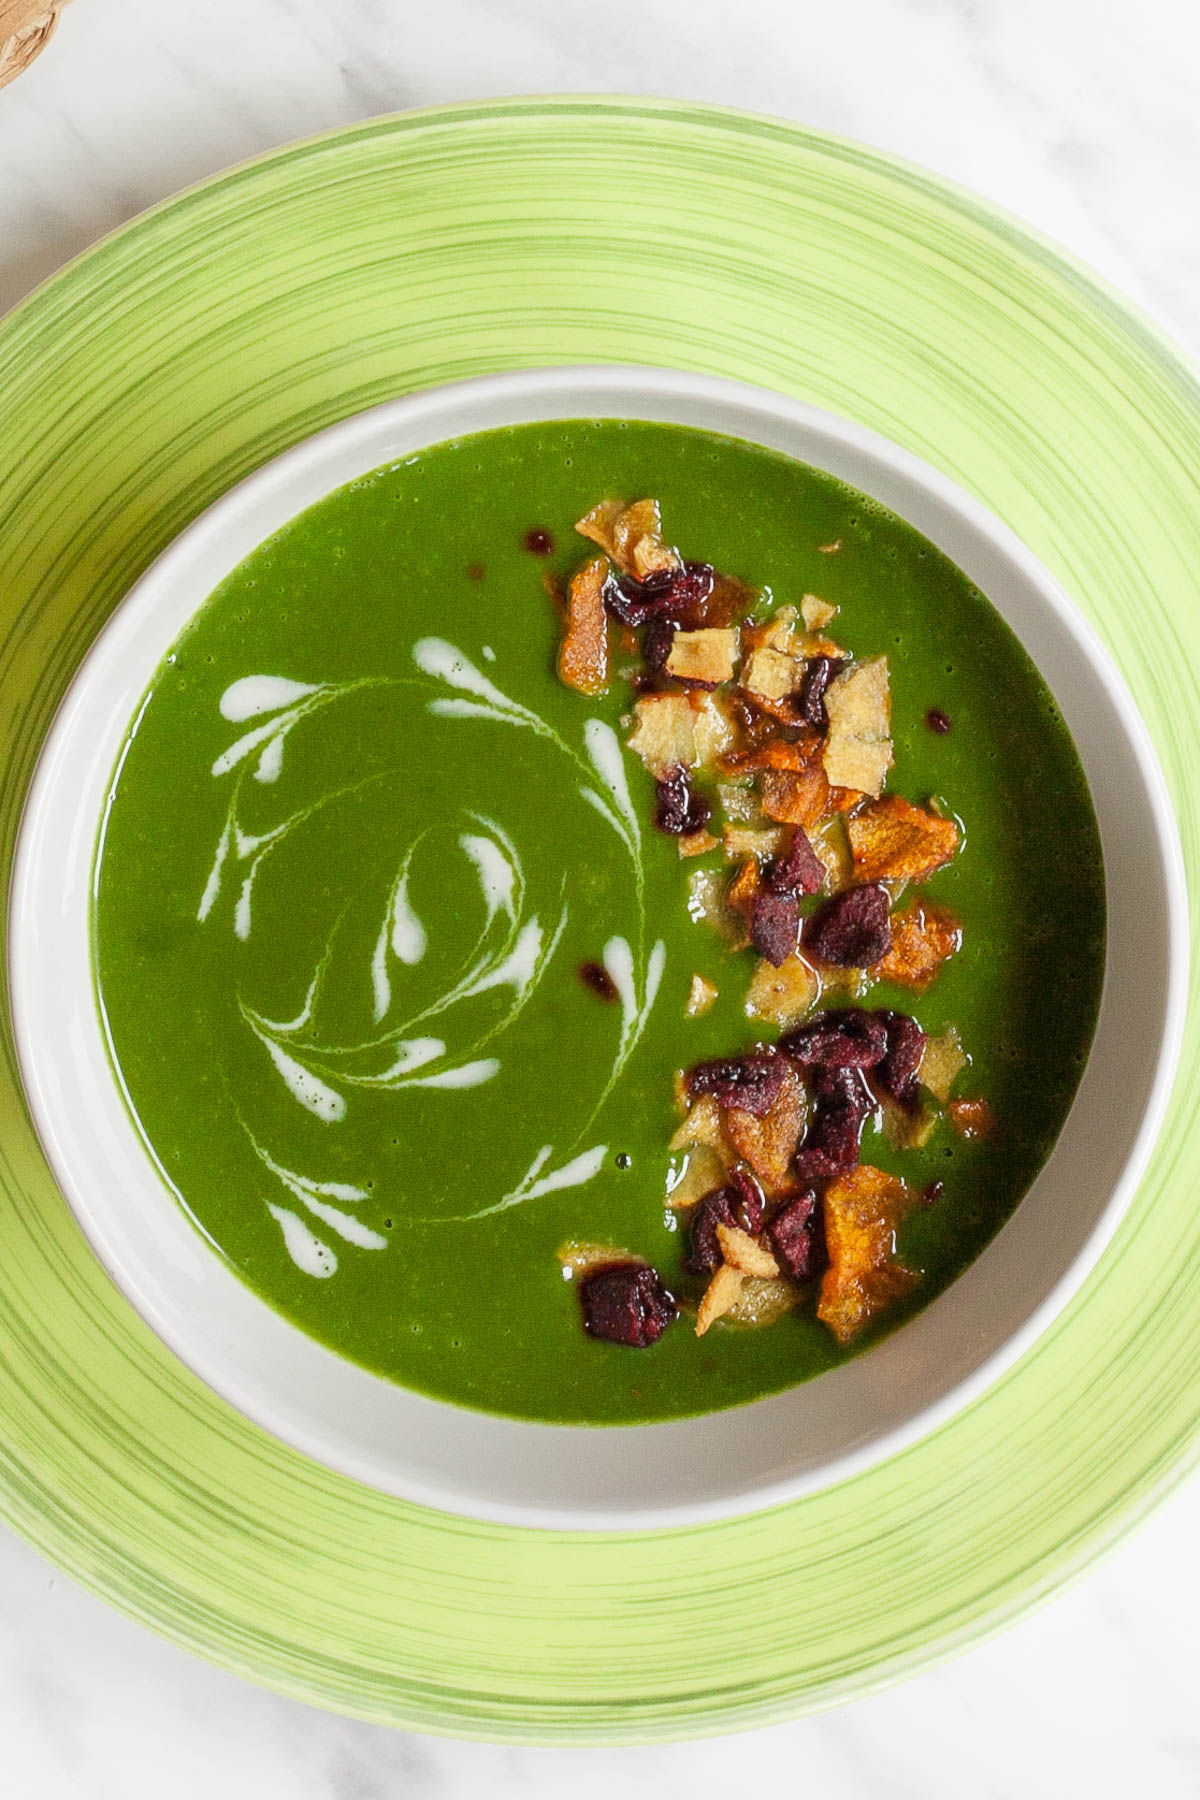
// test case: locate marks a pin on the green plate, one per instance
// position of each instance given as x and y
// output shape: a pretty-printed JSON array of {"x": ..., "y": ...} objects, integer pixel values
[{"x": 211, "y": 333}]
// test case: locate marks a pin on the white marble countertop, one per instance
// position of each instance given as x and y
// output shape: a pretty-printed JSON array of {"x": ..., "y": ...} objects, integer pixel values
[{"x": 1081, "y": 115}]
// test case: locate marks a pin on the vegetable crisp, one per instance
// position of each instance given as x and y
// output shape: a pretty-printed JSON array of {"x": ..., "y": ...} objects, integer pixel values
[{"x": 770, "y": 747}]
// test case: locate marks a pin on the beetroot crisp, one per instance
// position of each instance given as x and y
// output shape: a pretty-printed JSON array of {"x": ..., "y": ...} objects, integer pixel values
[
  {"x": 792, "y": 1235},
  {"x": 749, "y": 1082},
  {"x": 626, "y": 1303},
  {"x": 852, "y": 930}
]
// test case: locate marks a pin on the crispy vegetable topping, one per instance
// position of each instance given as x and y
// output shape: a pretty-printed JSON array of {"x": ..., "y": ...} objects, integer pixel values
[
  {"x": 580, "y": 1258},
  {"x": 891, "y": 840},
  {"x": 631, "y": 536},
  {"x": 705, "y": 1167},
  {"x": 845, "y": 1039},
  {"x": 816, "y": 613},
  {"x": 626, "y": 1304},
  {"x": 782, "y": 995},
  {"x": 775, "y": 924},
  {"x": 720, "y": 1297},
  {"x": 853, "y": 930},
  {"x": 796, "y": 796},
  {"x": 674, "y": 729},
  {"x": 583, "y": 654},
  {"x": 770, "y": 675},
  {"x": 858, "y": 750},
  {"x": 818, "y": 673},
  {"x": 792, "y": 1235},
  {"x": 843, "y": 1106},
  {"x": 744, "y": 1253},
  {"x": 897, "y": 1074},
  {"x": 752, "y": 1083},
  {"x": 767, "y": 1141},
  {"x": 971, "y": 1118},
  {"x": 800, "y": 871},
  {"x": 746, "y": 840},
  {"x": 863, "y": 1210},
  {"x": 708, "y": 657},
  {"x": 701, "y": 995},
  {"x": 942, "y": 1061},
  {"x": 924, "y": 936},
  {"x": 767, "y": 740},
  {"x": 678, "y": 810},
  {"x": 716, "y": 1210},
  {"x": 697, "y": 843}
]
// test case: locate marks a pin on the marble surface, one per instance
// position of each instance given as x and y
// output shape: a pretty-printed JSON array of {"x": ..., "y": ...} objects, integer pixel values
[{"x": 1079, "y": 114}]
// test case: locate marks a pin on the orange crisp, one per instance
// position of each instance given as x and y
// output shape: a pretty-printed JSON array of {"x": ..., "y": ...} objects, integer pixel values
[
  {"x": 769, "y": 1144},
  {"x": 862, "y": 1210},
  {"x": 971, "y": 1118},
  {"x": 739, "y": 897},
  {"x": 775, "y": 754},
  {"x": 924, "y": 936},
  {"x": 583, "y": 652},
  {"x": 892, "y": 840},
  {"x": 796, "y": 796}
]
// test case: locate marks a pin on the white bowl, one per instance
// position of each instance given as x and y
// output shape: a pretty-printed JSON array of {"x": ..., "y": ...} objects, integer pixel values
[{"x": 569, "y": 1476}]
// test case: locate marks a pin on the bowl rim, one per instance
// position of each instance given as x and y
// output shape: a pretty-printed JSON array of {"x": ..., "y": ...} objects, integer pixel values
[{"x": 276, "y": 479}]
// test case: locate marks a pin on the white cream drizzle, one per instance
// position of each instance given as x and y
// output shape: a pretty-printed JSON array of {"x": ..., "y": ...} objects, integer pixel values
[
  {"x": 305, "y": 1249},
  {"x": 350, "y": 1229},
  {"x": 270, "y": 764},
  {"x": 313, "y": 1094},
  {"x": 496, "y": 867},
  {"x": 402, "y": 933},
  {"x": 255, "y": 694},
  {"x": 516, "y": 961},
  {"x": 445, "y": 662},
  {"x": 414, "y": 1054},
  {"x": 212, "y": 886},
  {"x": 408, "y": 933},
  {"x": 303, "y": 1016},
  {"x": 604, "y": 751},
  {"x": 250, "y": 740},
  {"x": 242, "y": 916},
  {"x": 518, "y": 968},
  {"x": 315, "y": 1196},
  {"x": 468, "y": 1075},
  {"x": 533, "y": 1184}
]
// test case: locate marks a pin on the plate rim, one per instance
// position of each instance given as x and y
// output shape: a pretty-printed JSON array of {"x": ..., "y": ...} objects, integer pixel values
[{"x": 1176, "y": 365}]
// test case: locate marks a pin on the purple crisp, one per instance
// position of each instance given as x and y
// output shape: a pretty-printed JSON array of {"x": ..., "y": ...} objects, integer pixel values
[
  {"x": 810, "y": 702},
  {"x": 847, "y": 1038},
  {"x": 831, "y": 1143},
  {"x": 678, "y": 809},
  {"x": 774, "y": 925},
  {"x": 626, "y": 1303},
  {"x": 897, "y": 1072},
  {"x": 853, "y": 929},
  {"x": 801, "y": 871},
  {"x": 792, "y": 1236},
  {"x": 677, "y": 594},
  {"x": 749, "y": 1082}
]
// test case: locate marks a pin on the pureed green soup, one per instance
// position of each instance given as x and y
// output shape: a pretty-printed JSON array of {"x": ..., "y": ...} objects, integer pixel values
[{"x": 395, "y": 965}]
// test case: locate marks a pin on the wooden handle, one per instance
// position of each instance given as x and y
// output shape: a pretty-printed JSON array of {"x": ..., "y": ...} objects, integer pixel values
[{"x": 26, "y": 27}]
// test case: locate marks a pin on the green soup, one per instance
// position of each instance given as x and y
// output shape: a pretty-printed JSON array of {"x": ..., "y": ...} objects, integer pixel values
[{"x": 361, "y": 839}]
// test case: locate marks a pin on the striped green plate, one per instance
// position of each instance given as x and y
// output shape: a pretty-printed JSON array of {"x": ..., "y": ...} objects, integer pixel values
[{"x": 216, "y": 330}]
